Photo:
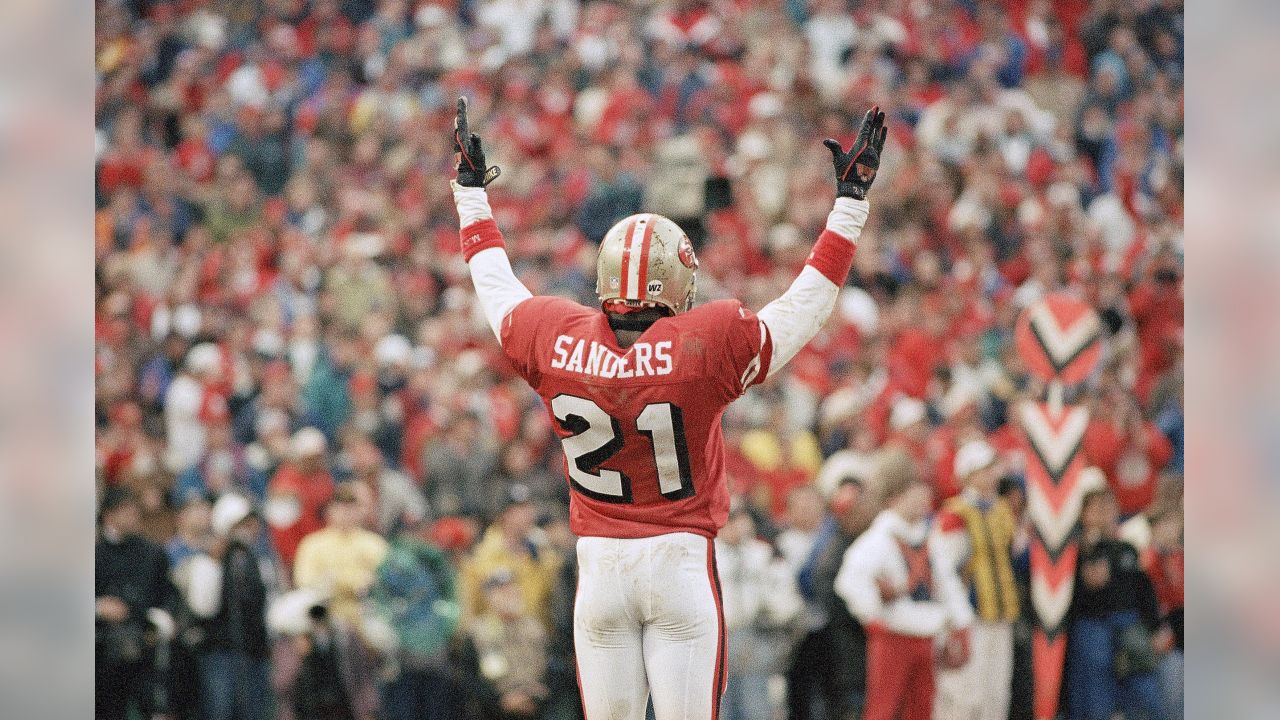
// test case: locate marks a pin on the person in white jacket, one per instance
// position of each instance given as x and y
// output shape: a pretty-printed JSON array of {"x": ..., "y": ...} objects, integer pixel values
[{"x": 907, "y": 595}]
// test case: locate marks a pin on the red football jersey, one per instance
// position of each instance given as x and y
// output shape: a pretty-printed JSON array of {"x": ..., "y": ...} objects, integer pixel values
[{"x": 640, "y": 427}]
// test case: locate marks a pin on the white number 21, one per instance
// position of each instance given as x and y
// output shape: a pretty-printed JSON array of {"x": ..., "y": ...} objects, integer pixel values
[{"x": 597, "y": 437}]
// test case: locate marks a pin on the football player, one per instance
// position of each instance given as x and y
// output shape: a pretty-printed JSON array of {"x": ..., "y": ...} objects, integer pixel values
[{"x": 636, "y": 388}]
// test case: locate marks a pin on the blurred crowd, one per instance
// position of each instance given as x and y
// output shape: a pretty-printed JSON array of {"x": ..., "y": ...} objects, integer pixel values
[{"x": 324, "y": 494}]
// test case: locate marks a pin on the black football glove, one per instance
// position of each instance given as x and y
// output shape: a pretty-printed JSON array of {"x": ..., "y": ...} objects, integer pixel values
[
  {"x": 472, "y": 171},
  {"x": 865, "y": 155}
]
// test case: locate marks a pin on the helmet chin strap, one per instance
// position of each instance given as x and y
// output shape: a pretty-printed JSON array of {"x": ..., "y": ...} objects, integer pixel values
[
  {"x": 627, "y": 322},
  {"x": 631, "y": 317}
]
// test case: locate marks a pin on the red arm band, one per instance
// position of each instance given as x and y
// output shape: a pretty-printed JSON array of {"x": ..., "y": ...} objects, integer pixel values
[
  {"x": 479, "y": 236},
  {"x": 832, "y": 256}
]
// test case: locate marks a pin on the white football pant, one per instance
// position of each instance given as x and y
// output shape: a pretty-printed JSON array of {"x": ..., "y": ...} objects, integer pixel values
[{"x": 647, "y": 618}]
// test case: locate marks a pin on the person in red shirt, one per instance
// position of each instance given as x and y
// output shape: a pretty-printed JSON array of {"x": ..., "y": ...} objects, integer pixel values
[
  {"x": 636, "y": 389},
  {"x": 1131, "y": 451},
  {"x": 1156, "y": 305},
  {"x": 298, "y": 493}
]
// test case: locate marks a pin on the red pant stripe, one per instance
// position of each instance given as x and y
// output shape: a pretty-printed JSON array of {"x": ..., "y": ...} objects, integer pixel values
[{"x": 721, "y": 679}]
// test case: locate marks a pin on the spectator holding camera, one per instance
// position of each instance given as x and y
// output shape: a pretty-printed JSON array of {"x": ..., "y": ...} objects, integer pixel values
[{"x": 341, "y": 560}]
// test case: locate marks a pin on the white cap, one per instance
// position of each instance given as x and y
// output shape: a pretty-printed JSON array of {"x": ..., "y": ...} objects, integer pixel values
[
  {"x": 906, "y": 411},
  {"x": 430, "y": 15},
  {"x": 268, "y": 341},
  {"x": 204, "y": 358},
  {"x": 961, "y": 395},
  {"x": 186, "y": 320},
  {"x": 468, "y": 363},
  {"x": 754, "y": 145},
  {"x": 765, "y": 105},
  {"x": 307, "y": 442},
  {"x": 972, "y": 457},
  {"x": 228, "y": 511},
  {"x": 269, "y": 421},
  {"x": 367, "y": 245},
  {"x": 393, "y": 350}
]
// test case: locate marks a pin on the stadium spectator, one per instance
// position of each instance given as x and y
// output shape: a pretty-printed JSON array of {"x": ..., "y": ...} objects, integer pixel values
[
  {"x": 227, "y": 594},
  {"x": 273, "y": 236},
  {"x": 805, "y": 513},
  {"x": 904, "y": 589},
  {"x": 760, "y": 601},
  {"x": 978, "y": 527},
  {"x": 298, "y": 493},
  {"x": 223, "y": 466},
  {"x": 459, "y": 466},
  {"x": 1129, "y": 450},
  {"x": 340, "y": 561},
  {"x": 391, "y": 500},
  {"x": 1116, "y": 631},
  {"x": 183, "y": 400},
  {"x": 320, "y": 689},
  {"x": 415, "y": 592},
  {"x": 507, "y": 645},
  {"x": 132, "y": 597},
  {"x": 828, "y": 674},
  {"x": 194, "y": 531},
  {"x": 508, "y": 544}
]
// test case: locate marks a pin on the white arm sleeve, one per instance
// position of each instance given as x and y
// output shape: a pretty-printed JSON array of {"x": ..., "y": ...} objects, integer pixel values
[
  {"x": 795, "y": 317},
  {"x": 497, "y": 287},
  {"x": 472, "y": 204}
]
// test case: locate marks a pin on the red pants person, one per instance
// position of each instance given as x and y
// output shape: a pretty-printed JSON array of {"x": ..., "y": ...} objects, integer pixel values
[{"x": 899, "y": 676}]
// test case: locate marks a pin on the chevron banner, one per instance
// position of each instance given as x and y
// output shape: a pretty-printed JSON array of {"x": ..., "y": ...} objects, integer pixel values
[
  {"x": 1059, "y": 340},
  {"x": 1054, "y": 493},
  {"x": 1048, "y": 651}
]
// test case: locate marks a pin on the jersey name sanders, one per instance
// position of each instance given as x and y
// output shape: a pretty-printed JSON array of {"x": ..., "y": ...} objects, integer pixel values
[{"x": 596, "y": 359}]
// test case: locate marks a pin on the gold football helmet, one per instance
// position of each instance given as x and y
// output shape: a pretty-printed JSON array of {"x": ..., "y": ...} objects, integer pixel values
[{"x": 646, "y": 260}]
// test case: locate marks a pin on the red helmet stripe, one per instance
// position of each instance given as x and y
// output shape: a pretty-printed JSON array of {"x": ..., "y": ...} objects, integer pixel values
[
  {"x": 643, "y": 290},
  {"x": 624, "y": 271}
]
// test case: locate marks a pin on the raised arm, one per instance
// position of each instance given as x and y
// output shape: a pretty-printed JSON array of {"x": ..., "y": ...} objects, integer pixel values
[
  {"x": 795, "y": 317},
  {"x": 483, "y": 248}
]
